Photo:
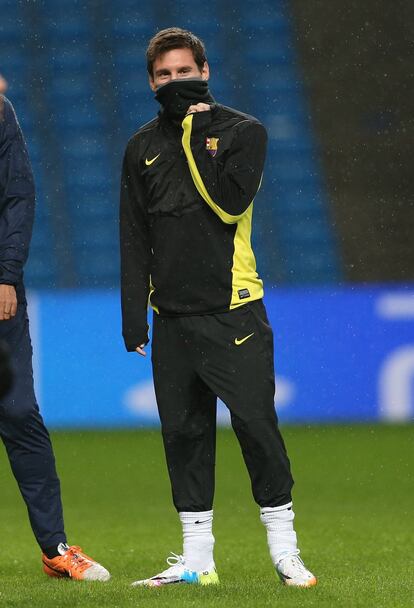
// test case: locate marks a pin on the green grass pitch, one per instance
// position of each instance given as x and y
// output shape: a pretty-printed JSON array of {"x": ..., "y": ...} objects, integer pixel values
[{"x": 354, "y": 504}]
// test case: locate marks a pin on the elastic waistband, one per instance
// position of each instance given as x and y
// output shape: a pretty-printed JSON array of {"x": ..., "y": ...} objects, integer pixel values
[{"x": 163, "y": 313}]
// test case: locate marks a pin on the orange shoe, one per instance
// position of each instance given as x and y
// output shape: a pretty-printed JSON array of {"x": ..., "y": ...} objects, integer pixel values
[{"x": 72, "y": 563}]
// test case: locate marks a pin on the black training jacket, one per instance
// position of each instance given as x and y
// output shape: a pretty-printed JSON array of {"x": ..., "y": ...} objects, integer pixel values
[
  {"x": 185, "y": 217},
  {"x": 17, "y": 198}
]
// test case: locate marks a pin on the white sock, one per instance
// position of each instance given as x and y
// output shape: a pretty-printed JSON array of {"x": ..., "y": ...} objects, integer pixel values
[
  {"x": 281, "y": 537},
  {"x": 198, "y": 540}
]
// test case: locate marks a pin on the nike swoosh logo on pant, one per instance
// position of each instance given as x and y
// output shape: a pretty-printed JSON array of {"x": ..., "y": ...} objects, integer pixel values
[{"x": 238, "y": 342}]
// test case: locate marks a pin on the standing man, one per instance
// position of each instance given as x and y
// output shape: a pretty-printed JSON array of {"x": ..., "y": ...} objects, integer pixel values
[
  {"x": 189, "y": 179},
  {"x": 21, "y": 426}
]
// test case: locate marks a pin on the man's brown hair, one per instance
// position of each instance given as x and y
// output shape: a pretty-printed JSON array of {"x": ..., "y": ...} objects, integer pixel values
[{"x": 175, "y": 38}]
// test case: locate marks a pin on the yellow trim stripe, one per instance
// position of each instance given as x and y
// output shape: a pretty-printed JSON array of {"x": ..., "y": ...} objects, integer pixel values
[
  {"x": 152, "y": 289},
  {"x": 244, "y": 275},
  {"x": 244, "y": 263},
  {"x": 187, "y": 125}
]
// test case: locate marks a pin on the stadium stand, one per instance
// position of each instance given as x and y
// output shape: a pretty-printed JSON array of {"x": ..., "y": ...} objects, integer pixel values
[
  {"x": 13, "y": 63},
  {"x": 94, "y": 93}
]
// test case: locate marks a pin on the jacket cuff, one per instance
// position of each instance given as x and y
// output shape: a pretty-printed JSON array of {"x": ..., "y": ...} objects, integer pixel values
[
  {"x": 132, "y": 344},
  {"x": 11, "y": 272}
]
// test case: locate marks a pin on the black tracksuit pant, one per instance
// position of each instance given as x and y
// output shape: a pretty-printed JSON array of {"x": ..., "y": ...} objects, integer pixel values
[
  {"x": 27, "y": 439},
  {"x": 228, "y": 355}
]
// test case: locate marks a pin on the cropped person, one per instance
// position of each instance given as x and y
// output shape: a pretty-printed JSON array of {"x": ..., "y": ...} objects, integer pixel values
[{"x": 22, "y": 429}]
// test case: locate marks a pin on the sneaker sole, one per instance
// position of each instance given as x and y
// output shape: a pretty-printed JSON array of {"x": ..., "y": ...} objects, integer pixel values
[
  {"x": 311, "y": 583},
  {"x": 101, "y": 577},
  {"x": 204, "y": 580},
  {"x": 54, "y": 573}
]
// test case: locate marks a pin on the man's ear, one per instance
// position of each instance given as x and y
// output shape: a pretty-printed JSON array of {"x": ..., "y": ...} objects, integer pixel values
[
  {"x": 152, "y": 83},
  {"x": 205, "y": 72}
]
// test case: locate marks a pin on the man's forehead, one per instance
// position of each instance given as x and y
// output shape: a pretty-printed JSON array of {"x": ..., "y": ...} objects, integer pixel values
[{"x": 174, "y": 58}]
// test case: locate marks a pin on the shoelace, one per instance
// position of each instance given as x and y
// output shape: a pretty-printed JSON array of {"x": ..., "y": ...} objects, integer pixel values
[
  {"x": 77, "y": 560},
  {"x": 296, "y": 562},
  {"x": 175, "y": 560}
]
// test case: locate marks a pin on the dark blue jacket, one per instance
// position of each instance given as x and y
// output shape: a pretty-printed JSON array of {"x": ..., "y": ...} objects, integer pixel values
[{"x": 17, "y": 198}]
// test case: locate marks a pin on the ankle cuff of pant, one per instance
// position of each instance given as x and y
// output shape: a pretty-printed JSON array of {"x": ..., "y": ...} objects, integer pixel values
[
  {"x": 53, "y": 543},
  {"x": 264, "y": 510}
]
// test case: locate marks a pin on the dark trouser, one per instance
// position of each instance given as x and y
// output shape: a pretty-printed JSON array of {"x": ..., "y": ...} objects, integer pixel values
[
  {"x": 27, "y": 440},
  {"x": 196, "y": 359}
]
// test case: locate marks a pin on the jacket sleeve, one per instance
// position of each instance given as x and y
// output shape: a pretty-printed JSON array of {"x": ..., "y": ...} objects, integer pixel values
[
  {"x": 228, "y": 187},
  {"x": 17, "y": 197},
  {"x": 135, "y": 253}
]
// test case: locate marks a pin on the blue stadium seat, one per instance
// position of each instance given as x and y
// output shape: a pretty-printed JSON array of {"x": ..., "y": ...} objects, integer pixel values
[
  {"x": 81, "y": 115},
  {"x": 92, "y": 173},
  {"x": 267, "y": 53},
  {"x": 84, "y": 145},
  {"x": 70, "y": 85},
  {"x": 137, "y": 110},
  {"x": 41, "y": 270},
  {"x": 298, "y": 198},
  {"x": 130, "y": 56},
  {"x": 292, "y": 202},
  {"x": 66, "y": 27},
  {"x": 206, "y": 17},
  {"x": 132, "y": 24},
  {"x": 95, "y": 207},
  {"x": 12, "y": 62},
  {"x": 96, "y": 233},
  {"x": 98, "y": 266},
  {"x": 144, "y": 10},
  {"x": 23, "y": 112},
  {"x": 132, "y": 83},
  {"x": 35, "y": 150},
  {"x": 276, "y": 79},
  {"x": 11, "y": 28},
  {"x": 295, "y": 167},
  {"x": 72, "y": 55},
  {"x": 265, "y": 11}
]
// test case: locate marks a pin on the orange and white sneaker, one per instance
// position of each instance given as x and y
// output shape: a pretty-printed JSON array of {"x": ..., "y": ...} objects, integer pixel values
[{"x": 72, "y": 563}]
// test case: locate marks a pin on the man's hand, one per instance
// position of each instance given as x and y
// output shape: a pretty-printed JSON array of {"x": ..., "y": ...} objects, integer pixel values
[
  {"x": 199, "y": 107},
  {"x": 8, "y": 302},
  {"x": 140, "y": 350}
]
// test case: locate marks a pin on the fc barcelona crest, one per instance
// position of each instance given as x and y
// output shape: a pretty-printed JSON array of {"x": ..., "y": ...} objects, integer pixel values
[{"x": 211, "y": 145}]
